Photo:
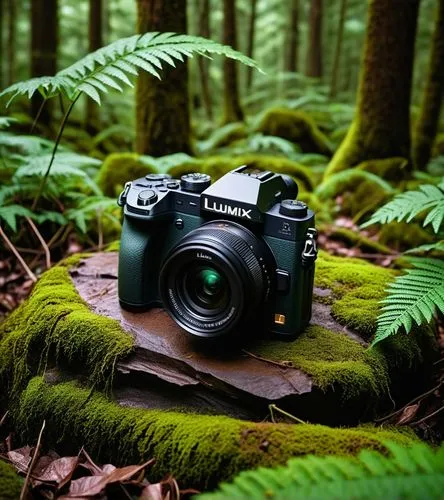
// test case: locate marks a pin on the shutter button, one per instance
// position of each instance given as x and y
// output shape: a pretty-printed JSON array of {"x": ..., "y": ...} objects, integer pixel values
[
  {"x": 293, "y": 208},
  {"x": 146, "y": 197}
]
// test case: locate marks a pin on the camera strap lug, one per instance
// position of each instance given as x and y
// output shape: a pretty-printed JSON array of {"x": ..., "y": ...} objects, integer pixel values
[
  {"x": 310, "y": 252},
  {"x": 123, "y": 195}
]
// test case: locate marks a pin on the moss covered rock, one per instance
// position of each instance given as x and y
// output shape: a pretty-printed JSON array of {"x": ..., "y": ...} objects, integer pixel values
[
  {"x": 361, "y": 191},
  {"x": 199, "y": 450},
  {"x": 295, "y": 126},
  {"x": 119, "y": 168},
  {"x": 10, "y": 483}
]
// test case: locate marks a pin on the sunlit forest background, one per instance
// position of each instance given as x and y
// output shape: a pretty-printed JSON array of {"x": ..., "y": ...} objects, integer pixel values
[{"x": 213, "y": 114}]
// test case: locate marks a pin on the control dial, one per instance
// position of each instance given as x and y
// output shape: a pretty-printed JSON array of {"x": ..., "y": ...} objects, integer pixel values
[
  {"x": 195, "y": 183},
  {"x": 293, "y": 208},
  {"x": 146, "y": 197},
  {"x": 157, "y": 177}
]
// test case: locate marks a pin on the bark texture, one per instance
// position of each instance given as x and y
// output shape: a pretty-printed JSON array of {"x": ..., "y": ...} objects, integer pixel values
[
  {"x": 44, "y": 41},
  {"x": 95, "y": 37},
  {"x": 291, "y": 61},
  {"x": 338, "y": 49},
  {"x": 162, "y": 107},
  {"x": 204, "y": 30},
  {"x": 232, "y": 108},
  {"x": 427, "y": 124},
  {"x": 381, "y": 128},
  {"x": 314, "y": 54},
  {"x": 250, "y": 45}
]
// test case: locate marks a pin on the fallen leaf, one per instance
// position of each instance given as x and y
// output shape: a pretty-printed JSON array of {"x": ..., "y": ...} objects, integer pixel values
[
  {"x": 59, "y": 471},
  {"x": 408, "y": 414},
  {"x": 20, "y": 458}
]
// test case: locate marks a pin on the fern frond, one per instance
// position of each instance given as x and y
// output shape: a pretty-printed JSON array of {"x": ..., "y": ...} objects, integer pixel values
[
  {"x": 5, "y": 121},
  {"x": 26, "y": 144},
  {"x": 428, "y": 247},
  {"x": 413, "y": 297},
  {"x": 416, "y": 472},
  {"x": 411, "y": 203},
  {"x": 113, "y": 65},
  {"x": 10, "y": 213},
  {"x": 90, "y": 208},
  {"x": 65, "y": 164}
]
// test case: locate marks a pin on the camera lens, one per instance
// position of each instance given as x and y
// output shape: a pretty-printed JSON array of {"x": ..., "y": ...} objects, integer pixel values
[{"x": 215, "y": 278}]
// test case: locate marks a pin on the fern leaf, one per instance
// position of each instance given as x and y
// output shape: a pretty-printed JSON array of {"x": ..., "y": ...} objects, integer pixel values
[
  {"x": 413, "y": 297},
  {"x": 406, "y": 206},
  {"x": 115, "y": 63},
  {"x": 429, "y": 247},
  {"x": 10, "y": 213},
  {"x": 415, "y": 472}
]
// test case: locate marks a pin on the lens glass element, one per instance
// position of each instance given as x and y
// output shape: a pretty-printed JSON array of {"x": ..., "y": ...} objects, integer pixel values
[{"x": 206, "y": 288}]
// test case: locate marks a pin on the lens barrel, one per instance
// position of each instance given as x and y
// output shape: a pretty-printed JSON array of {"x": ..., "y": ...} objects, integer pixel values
[{"x": 216, "y": 278}]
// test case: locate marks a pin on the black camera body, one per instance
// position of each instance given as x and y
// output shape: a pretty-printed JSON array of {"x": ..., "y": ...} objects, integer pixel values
[{"x": 235, "y": 256}]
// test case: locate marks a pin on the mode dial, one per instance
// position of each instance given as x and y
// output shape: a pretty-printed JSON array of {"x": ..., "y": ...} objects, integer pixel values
[
  {"x": 195, "y": 183},
  {"x": 157, "y": 177},
  {"x": 293, "y": 208},
  {"x": 146, "y": 197}
]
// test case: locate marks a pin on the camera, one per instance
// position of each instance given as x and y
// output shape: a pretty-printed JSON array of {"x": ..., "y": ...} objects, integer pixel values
[{"x": 223, "y": 258}]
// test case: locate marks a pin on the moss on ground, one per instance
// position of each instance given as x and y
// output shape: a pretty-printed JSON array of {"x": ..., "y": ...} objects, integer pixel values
[
  {"x": 356, "y": 239},
  {"x": 198, "y": 450},
  {"x": 295, "y": 126},
  {"x": 10, "y": 483},
  {"x": 119, "y": 168},
  {"x": 54, "y": 322}
]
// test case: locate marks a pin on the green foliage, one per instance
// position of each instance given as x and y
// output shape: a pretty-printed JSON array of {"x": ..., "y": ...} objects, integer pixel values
[
  {"x": 415, "y": 472},
  {"x": 406, "y": 206},
  {"x": 10, "y": 482},
  {"x": 111, "y": 66},
  {"x": 413, "y": 297},
  {"x": 10, "y": 213}
]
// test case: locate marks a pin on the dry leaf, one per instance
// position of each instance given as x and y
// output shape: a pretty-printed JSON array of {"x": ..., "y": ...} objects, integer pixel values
[
  {"x": 20, "y": 458},
  {"x": 408, "y": 414}
]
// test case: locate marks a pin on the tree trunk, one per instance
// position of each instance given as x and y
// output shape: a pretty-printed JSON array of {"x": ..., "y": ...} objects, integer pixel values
[
  {"x": 162, "y": 107},
  {"x": 95, "y": 37},
  {"x": 337, "y": 56},
  {"x": 232, "y": 108},
  {"x": 292, "y": 42},
  {"x": 250, "y": 45},
  {"x": 314, "y": 54},
  {"x": 381, "y": 128},
  {"x": 427, "y": 124},
  {"x": 204, "y": 30},
  {"x": 11, "y": 40},
  {"x": 44, "y": 40}
]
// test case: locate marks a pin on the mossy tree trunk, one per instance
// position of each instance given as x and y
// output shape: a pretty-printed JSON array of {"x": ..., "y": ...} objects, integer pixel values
[
  {"x": 12, "y": 31},
  {"x": 232, "y": 108},
  {"x": 292, "y": 41},
  {"x": 338, "y": 49},
  {"x": 314, "y": 53},
  {"x": 162, "y": 107},
  {"x": 44, "y": 41},
  {"x": 204, "y": 30},
  {"x": 381, "y": 128},
  {"x": 95, "y": 37},
  {"x": 427, "y": 124},
  {"x": 250, "y": 44}
]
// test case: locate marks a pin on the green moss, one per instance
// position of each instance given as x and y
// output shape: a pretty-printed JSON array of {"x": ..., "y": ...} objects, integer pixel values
[
  {"x": 198, "y": 450},
  {"x": 361, "y": 191},
  {"x": 333, "y": 360},
  {"x": 114, "y": 246},
  {"x": 387, "y": 168},
  {"x": 10, "y": 483},
  {"x": 356, "y": 239},
  {"x": 295, "y": 126},
  {"x": 55, "y": 323},
  {"x": 119, "y": 168},
  {"x": 404, "y": 236}
]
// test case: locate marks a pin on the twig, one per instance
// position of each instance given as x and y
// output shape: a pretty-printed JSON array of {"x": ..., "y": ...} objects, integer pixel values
[
  {"x": 260, "y": 358},
  {"x": 18, "y": 256},
  {"x": 439, "y": 410},
  {"x": 273, "y": 408},
  {"x": 414, "y": 400},
  {"x": 2, "y": 421},
  {"x": 37, "y": 116},
  {"x": 42, "y": 242},
  {"x": 34, "y": 458},
  {"x": 54, "y": 151}
]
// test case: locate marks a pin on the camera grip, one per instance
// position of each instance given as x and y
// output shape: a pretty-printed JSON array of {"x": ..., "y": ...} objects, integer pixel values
[{"x": 137, "y": 277}]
